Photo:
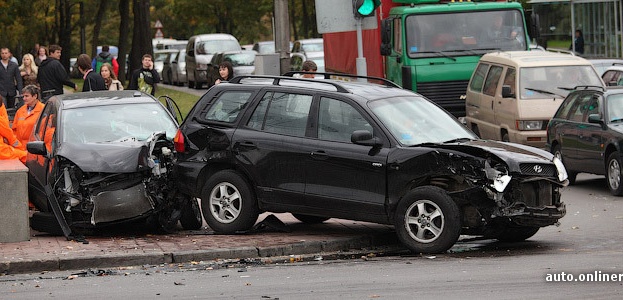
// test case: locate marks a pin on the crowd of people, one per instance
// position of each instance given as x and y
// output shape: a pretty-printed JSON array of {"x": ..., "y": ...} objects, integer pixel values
[{"x": 41, "y": 76}]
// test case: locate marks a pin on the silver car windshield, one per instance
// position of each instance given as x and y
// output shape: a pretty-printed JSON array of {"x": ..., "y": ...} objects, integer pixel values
[
  {"x": 123, "y": 122},
  {"x": 414, "y": 120}
]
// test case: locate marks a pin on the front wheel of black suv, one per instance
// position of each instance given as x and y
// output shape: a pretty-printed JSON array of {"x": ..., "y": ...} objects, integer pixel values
[
  {"x": 228, "y": 204},
  {"x": 307, "y": 219},
  {"x": 427, "y": 220},
  {"x": 613, "y": 174}
]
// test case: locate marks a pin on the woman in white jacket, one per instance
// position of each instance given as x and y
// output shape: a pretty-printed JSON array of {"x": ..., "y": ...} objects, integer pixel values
[{"x": 110, "y": 79}]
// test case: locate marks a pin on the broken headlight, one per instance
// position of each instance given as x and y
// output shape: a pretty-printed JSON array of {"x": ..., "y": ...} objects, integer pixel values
[{"x": 560, "y": 167}]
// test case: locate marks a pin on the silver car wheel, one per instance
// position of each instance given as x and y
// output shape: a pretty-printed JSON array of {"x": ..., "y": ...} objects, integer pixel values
[
  {"x": 614, "y": 174},
  {"x": 225, "y": 202},
  {"x": 424, "y": 221}
]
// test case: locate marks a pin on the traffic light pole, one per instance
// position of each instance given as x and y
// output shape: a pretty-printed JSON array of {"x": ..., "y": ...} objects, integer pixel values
[{"x": 362, "y": 69}]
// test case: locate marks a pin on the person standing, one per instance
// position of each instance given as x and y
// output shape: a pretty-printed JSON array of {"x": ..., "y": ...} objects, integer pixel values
[
  {"x": 309, "y": 66},
  {"x": 225, "y": 72},
  {"x": 578, "y": 42},
  {"x": 112, "y": 84},
  {"x": 42, "y": 54},
  {"x": 105, "y": 57},
  {"x": 93, "y": 81},
  {"x": 28, "y": 70},
  {"x": 145, "y": 78},
  {"x": 10, "y": 79},
  {"x": 52, "y": 75},
  {"x": 26, "y": 116}
]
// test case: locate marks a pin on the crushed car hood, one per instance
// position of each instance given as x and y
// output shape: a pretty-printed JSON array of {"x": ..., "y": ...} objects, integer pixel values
[
  {"x": 512, "y": 154},
  {"x": 125, "y": 157}
]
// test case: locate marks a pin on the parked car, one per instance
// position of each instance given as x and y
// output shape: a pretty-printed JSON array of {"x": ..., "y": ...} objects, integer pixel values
[
  {"x": 586, "y": 133},
  {"x": 297, "y": 60},
  {"x": 243, "y": 63},
  {"x": 613, "y": 76},
  {"x": 174, "y": 69},
  {"x": 159, "y": 57},
  {"x": 512, "y": 95},
  {"x": 601, "y": 64},
  {"x": 199, "y": 52},
  {"x": 308, "y": 46},
  {"x": 101, "y": 158},
  {"x": 321, "y": 149}
]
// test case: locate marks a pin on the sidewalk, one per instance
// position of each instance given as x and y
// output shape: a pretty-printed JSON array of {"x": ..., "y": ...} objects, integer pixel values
[{"x": 52, "y": 253}]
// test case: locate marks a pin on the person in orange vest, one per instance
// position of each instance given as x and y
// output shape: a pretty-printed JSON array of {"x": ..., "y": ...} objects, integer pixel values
[
  {"x": 27, "y": 115},
  {"x": 10, "y": 146}
]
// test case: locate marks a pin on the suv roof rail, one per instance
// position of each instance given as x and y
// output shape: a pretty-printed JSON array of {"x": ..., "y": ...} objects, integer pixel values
[
  {"x": 587, "y": 87},
  {"x": 277, "y": 79},
  {"x": 327, "y": 75}
]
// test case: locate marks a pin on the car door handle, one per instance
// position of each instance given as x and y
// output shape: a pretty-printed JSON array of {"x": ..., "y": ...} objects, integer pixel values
[
  {"x": 319, "y": 154},
  {"x": 247, "y": 144}
]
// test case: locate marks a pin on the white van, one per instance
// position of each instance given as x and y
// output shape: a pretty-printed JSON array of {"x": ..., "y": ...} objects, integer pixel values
[
  {"x": 512, "y": 95},
  {"x": 199, "y": 52}
]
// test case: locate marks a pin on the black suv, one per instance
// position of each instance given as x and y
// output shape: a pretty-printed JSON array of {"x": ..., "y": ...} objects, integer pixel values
[{"x": 321, "y": 148}]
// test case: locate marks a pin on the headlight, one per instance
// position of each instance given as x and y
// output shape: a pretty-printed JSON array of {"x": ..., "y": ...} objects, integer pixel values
[
  {"x": 529, "y": 125},
  {"x": 562, "y": 172}
]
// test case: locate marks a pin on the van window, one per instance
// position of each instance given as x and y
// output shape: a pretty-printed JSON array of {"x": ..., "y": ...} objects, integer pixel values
[
  {"x": 491, "y": 83},
  {"x": 509, "y": 79},
  {"x": 479, "y": 77}
]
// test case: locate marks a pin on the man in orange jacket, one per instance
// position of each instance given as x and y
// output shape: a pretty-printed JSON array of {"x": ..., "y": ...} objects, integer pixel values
[
  {"x": 10, "y": 147},
  {"x": 27, "y": 115}
]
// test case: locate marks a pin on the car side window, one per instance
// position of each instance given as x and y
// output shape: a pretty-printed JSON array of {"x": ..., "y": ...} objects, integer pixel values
[
  {"x": 566, "y": 106},
  {"x": 283, "y": 113},
  {"x": 612, "y": 78},
  {"x": 227, "y": 107},
  {"x": 491, "y": 83},
  {"x": 510, "y": 79},
  {"x": 337, "y": 120},
  {"x": 479, "y": 77},
  {"x": 591, "y": 108},
  {"x": 580, "y": 108},
  {"x": 46, "y": 127}
]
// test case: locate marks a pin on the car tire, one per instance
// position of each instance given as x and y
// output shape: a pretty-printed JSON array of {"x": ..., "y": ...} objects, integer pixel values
[
  {"x": 307, "y": 219},
  {"x": 516, "y": 234},
  {"x": 427, "y": 220},
  {"x": 505, "y": 137},
  {"x": 228, "y": 204},
  {"x": 191, "y": 84},
  {"x": 169, "y": 77},
  {"x": 198, "y": 85},
  {"x": 191, "y": 215},
  {"x": 45, "y": 222},
  {"x": 613, "y": 174},
  {"x": 571, "y": 176}
]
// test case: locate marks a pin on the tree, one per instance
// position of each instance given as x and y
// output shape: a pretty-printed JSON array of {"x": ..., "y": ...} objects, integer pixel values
[
  {"x": 124, "y": 29},
  {"x": 141, "y": 35}
]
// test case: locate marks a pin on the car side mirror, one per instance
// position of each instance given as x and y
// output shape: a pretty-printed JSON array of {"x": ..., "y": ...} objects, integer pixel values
[
  {"x": 37, "y": 147},
  {"x": 386, "y": 34},
  {"x": 506, "y": 92},
  {"x": 364, "y": 137},
  {"x": 592, "y": 118}
]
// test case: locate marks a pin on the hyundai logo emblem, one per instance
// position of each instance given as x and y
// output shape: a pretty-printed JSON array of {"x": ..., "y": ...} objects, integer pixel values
[{"x": 538, "y": 169}]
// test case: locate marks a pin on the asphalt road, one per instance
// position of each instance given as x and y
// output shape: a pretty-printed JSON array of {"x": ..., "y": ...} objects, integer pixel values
[{"x": 588, "y": 241}]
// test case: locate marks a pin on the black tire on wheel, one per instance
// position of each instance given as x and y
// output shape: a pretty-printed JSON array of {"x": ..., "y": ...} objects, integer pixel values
[
  {"x": 198, "y": 85},
  {"x": 505, "y": 137},
  {"x": 169, "y": 77},
  {"x": 307, "y": 219},
  {"x": 45, "y": 222},
  {"x": 427, "y": 220},
  {"x": 570, "y": 174},
  {"x": 516, "y": 234},
  {"x": 191, "y": 215},
  {"x": 228, "y": 204},
  {"x": 191, "y": 84},
  {"x": 613, "y": 174}
]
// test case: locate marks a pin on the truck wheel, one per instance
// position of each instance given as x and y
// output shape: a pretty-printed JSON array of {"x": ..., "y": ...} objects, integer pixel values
[
  {"x": 427, "y": 220},
  {"x": 505, "y": 137},
  {"x": 307, "y": 219},
  {"x": 191, "y": 215},
  {"x": 228, "y": 204},
  {"x": 516, "y": 234},
  {"x": 613, "y": 174}
]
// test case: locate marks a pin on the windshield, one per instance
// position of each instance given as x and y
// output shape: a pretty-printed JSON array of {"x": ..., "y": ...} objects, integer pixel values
[
  {"x": 240, "y": 59},
  {"x": 414, "y": 120},
  {"x": 97, "y": 124},
  {"x": 548, "y": 81},
  {"x": 466, "y": 33},
  {"x": 213, "y": 46}
]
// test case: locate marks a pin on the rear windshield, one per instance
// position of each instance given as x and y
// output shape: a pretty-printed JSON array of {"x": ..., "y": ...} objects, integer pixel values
[{"x": 214, "y": 46}]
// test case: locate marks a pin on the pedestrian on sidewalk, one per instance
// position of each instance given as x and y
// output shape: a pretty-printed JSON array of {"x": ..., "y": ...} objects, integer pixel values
[
  {"x": 10, "y": 79},
  {"x": 105, "y": 57},
  {"x": 52, "y": 75},
  {"x": 93, "y": 81},
  {"x": 28, "y": 70},
  {"x": 111, "y": 81},
  {"x": 146, "y": 78}
]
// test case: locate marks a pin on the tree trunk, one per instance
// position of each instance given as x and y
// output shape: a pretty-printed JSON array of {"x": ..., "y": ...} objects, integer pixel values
[
  {"x": 141, "y": 38},
  {"x": 124, "y": 28},
  {"x": 295, "y": 32},
  {"x": 101, "y": 11},
  {"x": 64, "y": 32}
]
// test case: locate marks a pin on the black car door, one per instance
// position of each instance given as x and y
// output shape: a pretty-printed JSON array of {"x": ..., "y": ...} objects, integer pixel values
[
  {"x": 344, "y": 178},
  {"x": 590, "y": 138}
]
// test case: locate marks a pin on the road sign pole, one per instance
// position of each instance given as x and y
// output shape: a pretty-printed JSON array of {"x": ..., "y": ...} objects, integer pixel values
[{"x": 362, "y": 69}]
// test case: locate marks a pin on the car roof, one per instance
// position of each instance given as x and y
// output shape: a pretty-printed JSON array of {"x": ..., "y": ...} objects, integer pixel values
[
  {"x": 533, "y": 58},
  {"x": 238, "y": 52},
  {"x": 213, "y": 36},
  {"x": 616, "y": 68},
  {"x": 103, "y": 98}
]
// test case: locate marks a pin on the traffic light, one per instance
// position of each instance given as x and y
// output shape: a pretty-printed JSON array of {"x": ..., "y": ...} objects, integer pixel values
[{"x": 365, "y": 8}]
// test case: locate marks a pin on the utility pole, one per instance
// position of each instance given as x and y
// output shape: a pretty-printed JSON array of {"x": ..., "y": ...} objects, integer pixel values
[{"x": 282, "y": 34}]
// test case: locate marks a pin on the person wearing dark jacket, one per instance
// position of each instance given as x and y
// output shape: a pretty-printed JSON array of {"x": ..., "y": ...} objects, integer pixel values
[
  {"x": 93, "y": 81},
  {"x": 52, "y": 75},
  {"x": 10, "y": 79},
  {"x": 145, "y": 78}
]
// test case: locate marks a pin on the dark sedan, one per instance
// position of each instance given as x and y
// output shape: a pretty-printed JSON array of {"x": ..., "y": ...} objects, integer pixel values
[{"x": 586, "y": 133}]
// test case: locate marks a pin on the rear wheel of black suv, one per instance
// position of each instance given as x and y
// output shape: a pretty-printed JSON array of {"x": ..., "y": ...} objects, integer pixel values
[
  {"x": 228, "y": 204},
  {"x": 427, "y": 220}
]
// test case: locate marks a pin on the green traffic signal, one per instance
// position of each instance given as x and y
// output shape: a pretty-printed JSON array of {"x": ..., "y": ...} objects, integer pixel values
[{"x": 367, "y": 7}]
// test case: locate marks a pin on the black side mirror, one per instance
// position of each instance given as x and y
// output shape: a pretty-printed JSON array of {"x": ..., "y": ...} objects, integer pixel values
[
  {"x": 534, "y": 26},
  {"x": 364, "y": 137},
  {"x": 506, "y": 92},
  {"x": 37, "y": 147},
  {"x": 386, "y": 37},
  {"x": 596, "y": 119}
]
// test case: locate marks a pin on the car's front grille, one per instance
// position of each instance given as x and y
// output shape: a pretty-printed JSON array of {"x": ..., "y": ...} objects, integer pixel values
[
  {"x": 448, "y": 94},
  {"x": 538, "y": 169}
]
